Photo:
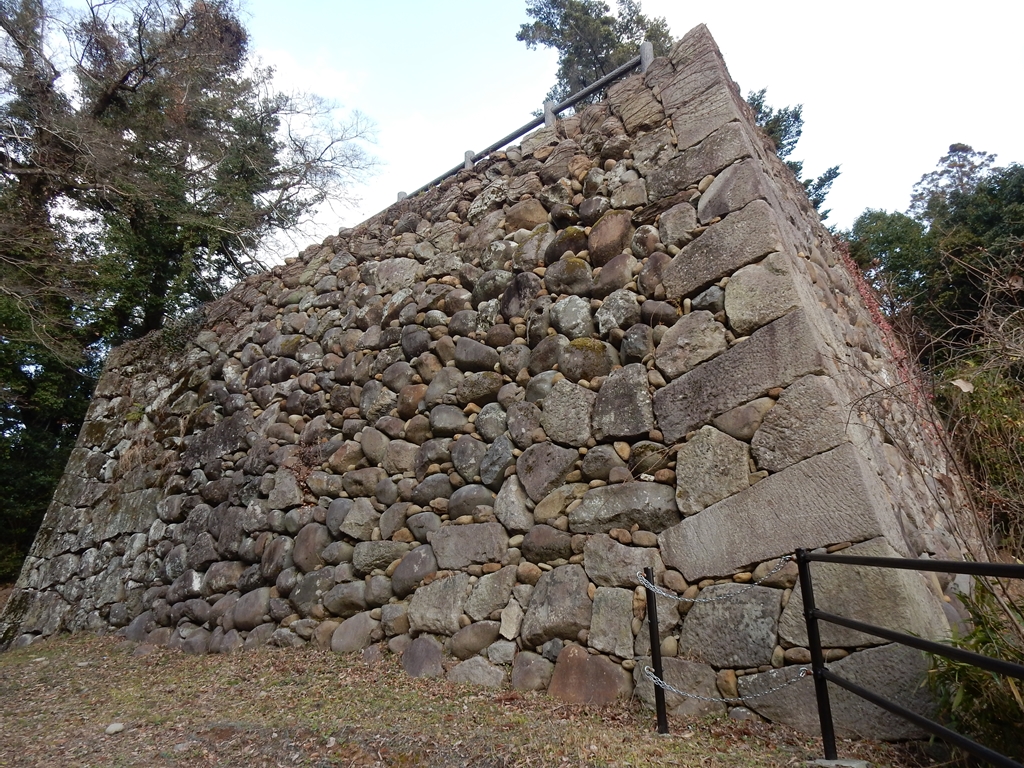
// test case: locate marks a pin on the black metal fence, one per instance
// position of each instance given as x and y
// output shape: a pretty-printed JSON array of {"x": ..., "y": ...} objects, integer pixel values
[
  {"x": 655, "y": 673},
  {"x": 823, "y": 675}
]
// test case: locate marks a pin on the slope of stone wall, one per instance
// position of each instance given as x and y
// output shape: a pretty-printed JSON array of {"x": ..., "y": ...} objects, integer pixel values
[{"x": 462, "y": 427}]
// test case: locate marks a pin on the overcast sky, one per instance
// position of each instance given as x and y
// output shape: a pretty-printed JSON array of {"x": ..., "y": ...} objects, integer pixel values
[{"x": 886, "y": 86}]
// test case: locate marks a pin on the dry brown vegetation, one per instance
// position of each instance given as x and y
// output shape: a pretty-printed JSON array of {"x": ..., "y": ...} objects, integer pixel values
[{"x": 314, "y": 708}]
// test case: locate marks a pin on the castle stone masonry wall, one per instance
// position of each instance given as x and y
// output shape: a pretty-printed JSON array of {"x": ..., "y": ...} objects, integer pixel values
[{"x": 463, "y": 426}]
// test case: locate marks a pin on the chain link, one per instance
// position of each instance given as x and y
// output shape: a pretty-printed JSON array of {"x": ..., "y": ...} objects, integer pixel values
[
  {"x": 649, "y": 674},
  {"x": 727, "y": 596}
]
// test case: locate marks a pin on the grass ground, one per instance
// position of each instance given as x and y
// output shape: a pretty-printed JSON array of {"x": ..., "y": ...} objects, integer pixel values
[{"x": 314, "y": 708}]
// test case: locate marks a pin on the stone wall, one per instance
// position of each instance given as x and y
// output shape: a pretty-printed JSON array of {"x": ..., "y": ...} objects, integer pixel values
[{"x": 462, "y": 427}]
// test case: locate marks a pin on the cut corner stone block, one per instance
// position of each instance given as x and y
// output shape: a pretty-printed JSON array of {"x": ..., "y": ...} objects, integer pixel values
[{"x": 826, "y": 499}]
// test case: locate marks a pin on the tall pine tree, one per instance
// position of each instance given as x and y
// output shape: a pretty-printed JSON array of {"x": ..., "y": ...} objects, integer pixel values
[{"x": 591, "y": 42}]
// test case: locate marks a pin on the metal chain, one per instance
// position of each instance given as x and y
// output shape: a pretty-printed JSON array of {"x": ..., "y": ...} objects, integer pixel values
[
  {"x": 649, "y": 674},
  {"x": 728, "y": 596}
]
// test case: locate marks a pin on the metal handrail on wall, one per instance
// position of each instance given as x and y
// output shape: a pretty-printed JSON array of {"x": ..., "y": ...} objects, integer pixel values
[
  {"x": 551, "y": 112},
  {"x": 823, "y": 675}
]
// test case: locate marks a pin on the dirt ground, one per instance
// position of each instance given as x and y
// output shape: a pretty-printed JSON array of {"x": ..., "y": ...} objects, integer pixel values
[{"x": 100, "y": 701}]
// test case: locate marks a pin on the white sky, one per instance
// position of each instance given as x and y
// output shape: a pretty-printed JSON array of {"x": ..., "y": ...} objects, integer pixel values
[{"x": 886, "y": 86}]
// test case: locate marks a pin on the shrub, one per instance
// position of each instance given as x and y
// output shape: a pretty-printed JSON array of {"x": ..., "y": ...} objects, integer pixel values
[{"x": 987, "y": 707}]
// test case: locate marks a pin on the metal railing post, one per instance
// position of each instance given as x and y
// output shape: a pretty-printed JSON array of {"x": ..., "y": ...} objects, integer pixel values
[
  {"x": 646, "y": 55},
  {"x": 549, "y": 114},
  {"x": 468, "y": 165},
  {"x": 652, "y": 623},
  {"x": 548, "y": 119},
  {"x": 828, "y": 734}
]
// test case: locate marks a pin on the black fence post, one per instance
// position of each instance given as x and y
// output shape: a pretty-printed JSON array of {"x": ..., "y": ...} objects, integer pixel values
[
  {"x": 828, "y": 734},
  {"x": 652, "y": 625}
]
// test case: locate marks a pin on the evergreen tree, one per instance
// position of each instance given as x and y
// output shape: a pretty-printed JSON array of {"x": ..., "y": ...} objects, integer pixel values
[
  {"x": 958, "y": 172},
  {"x": 590, "y": 41},
  {"x": 952, "y": 280},
  {"x": 142, "y": 162},
  {"x": 961, "y": 238},
  {"x": 784, "y": 127},
  {"x": 890, "y": 248}
]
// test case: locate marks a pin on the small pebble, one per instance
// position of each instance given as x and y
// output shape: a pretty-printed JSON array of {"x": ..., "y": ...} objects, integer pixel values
[
  {"x": 665, "y": 476},
  {"x": 655, "y": 379},
  {"x": 644, "y": 539},
  {"x": 798, "y": 656},
  {"x": 742, "y": 713}
]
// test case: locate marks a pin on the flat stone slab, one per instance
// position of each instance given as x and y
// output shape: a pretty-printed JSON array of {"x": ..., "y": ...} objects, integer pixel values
[
  {"x": 491, "y": 593},
  {"x": 623, "y": 408},
  {"x": 368, "y": 555},
  {"x": 736, "y": 631},
  {"x": 559, "y": 606},
  {"x": 710, "y": 466},
  {"x": 810, "y": 417},
  {"x": 360, "y": 521},
  {"x": 546, "y": 544},
  {"x": 694, "y": 338},
  {"x": 732, "y": 189},
  {"x": 396, "y": 273},
  {"x": 698, "y": 96},
  {"x": 415, "y": 566},
  {"x": 652, "y": 506},
  {"x": 610, "y": 627},
  {"x": 759, "y": 293},
  {"x": 567, "y": 412},
  {"x": 741, "y": 238},
  {"x": 690, "y": 676},
  {"x": 898, "y": 600},
  {"x": 510, "y": 507},
  {"x": 894, "y": 672},
  {"x": 437, "y": 606},
  {"x": 773, "y": 356},
  {"x": 635, "y": 103},
  {"x": 225, "y": 437},
  {"x": 826, "y": 499},
  {"x": 457, "y": 546},
  {"x": 717, "y": 151},
  {"x": 542, "y": 467},
  {"x": 611, "y": 564},
  {"x": 423, "y": 658},
  {"x": 584, "y": 678}
]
